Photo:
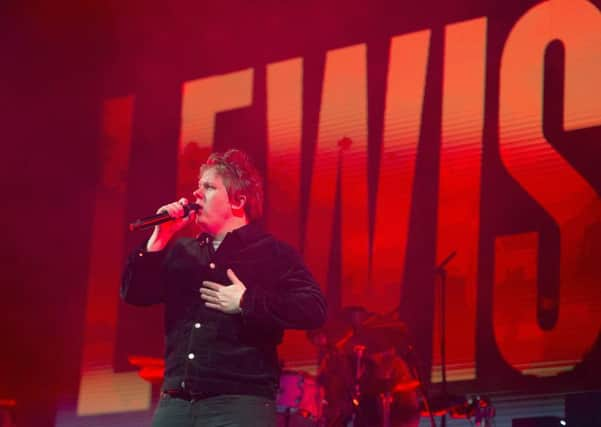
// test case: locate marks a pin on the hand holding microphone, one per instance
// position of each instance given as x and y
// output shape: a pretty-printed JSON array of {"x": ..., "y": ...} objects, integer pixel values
[{"x": 168, "y": 220}]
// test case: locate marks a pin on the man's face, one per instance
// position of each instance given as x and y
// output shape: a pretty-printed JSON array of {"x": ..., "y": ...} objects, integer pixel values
[{"x": 211, "y": 195}]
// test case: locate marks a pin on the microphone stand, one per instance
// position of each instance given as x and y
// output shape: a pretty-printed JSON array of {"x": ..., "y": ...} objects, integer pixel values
[{"x": 442, "y": 273}]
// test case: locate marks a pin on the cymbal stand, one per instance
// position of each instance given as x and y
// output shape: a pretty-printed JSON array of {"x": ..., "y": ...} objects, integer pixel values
[
  {"x": 442, "y": 273},
  {"x": 484, "y": 412},
  {"x": 413, "y": 362},
  {"x": 385, "y": 402},
  {"x": 358, "y": 350}
]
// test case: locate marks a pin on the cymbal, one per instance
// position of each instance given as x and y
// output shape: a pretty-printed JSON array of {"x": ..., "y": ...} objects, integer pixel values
[
  {"x": 376, "y": 337},
  {"x": 339, "y": 326},
  {"x": 332, "y": 332},
  {"x": 355, "y": 325},
  {"x": 395, "y": 325},
  {"x": 355, "y": 315},
  {"x": 405, "y": 386}
]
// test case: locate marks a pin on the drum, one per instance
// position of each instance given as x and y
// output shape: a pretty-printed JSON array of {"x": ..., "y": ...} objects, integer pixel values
[
  {"x": 299, "y": 401},
  {"x": 380, "y": 392}
]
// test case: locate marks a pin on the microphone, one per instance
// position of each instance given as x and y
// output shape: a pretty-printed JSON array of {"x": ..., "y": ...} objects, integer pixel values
[
  {"x": 161, "y": 217},
  {"x": 443, "y": 264}
]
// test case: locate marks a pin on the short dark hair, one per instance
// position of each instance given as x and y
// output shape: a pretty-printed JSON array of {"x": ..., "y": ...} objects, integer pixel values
[{"x": 240, "y": 178}]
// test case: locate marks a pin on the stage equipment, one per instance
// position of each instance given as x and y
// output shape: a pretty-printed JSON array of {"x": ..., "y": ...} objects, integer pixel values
[
  {"x": 299, "y": 401},
  {"x": 441, "y": 272},
  {"x": 538, "y": 422},
  {"x": 151, "y": 369},
  {"x": 366, "y": 380},
  {"x": 477, "y": 409}
]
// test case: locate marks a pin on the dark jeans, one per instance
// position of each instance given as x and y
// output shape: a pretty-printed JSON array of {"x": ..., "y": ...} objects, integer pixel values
[{"x": 219, "y": 411}]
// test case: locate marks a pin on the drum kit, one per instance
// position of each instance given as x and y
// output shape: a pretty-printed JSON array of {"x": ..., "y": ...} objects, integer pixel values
[
  {"x": 367, "y": 377},
  {"x": 363, "y": 380}
]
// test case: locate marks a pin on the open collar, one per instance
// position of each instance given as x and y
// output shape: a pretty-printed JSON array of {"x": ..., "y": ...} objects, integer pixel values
[{"x": 236, "y": 239}]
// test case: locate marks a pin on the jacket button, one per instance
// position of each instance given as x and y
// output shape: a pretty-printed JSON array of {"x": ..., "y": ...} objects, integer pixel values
[
  {"x": 197, "y": 325},
  {"x": 212, "y": 266},
  {"x": 190, "y": 356}
]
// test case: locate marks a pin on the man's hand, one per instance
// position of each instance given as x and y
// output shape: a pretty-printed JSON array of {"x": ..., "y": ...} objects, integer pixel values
[
  {"x": 162, "y": 233},
  {"x": 223, "y": 298}
]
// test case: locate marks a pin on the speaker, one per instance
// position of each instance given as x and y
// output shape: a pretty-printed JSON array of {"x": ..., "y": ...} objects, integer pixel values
[{"x": 537, "y": 422}]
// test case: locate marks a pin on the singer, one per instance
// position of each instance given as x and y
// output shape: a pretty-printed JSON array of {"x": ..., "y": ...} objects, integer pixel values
[{"x": 228, "y": 296}]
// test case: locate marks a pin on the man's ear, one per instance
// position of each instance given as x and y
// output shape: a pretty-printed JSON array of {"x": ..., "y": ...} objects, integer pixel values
[{"x": 239, "y": 204}]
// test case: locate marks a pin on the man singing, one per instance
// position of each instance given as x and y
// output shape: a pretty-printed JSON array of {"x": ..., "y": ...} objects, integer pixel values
[{"x": 228, "y": 296}]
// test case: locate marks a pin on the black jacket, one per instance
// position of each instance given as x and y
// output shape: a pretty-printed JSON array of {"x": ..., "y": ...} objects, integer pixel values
[{"x": 211, "y": 352}]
